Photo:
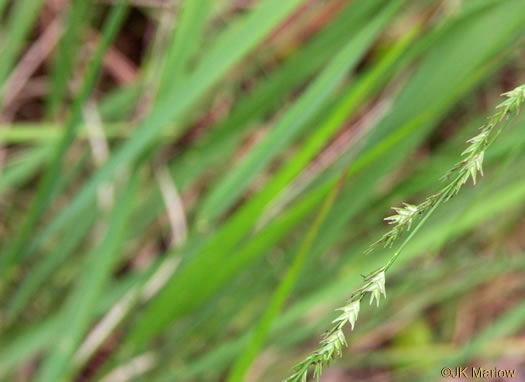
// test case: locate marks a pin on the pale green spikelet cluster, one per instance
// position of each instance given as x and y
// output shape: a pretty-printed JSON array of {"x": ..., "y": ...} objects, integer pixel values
[
  {"x": 334, "y": 340},
  {"x": 468, "y": 167},
  {"x": 374, "y": 283}
]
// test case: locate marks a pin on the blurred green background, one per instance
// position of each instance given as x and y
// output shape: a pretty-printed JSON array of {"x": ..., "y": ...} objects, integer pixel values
[{"x": 165, "y": 167}]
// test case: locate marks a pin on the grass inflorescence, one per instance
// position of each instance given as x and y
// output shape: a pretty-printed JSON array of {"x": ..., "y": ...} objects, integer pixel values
[{"x": 374, "y": 283}]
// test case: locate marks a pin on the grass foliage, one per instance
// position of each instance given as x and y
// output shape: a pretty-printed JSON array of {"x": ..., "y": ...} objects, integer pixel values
[{"x": 188, "y": 189}]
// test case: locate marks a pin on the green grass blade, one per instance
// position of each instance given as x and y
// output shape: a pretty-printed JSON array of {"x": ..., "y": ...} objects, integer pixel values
[
  {"x": 189, "y": 28},
  {"x": 216, "y": 148},
  {"x": 404, "y": 130},
  {"x": 284, "y": 289},
  {"x": 79, "y": 309},
  {"x": 218, "y": 145},
  {"x": 49, "y": 264},
  {"x": 411, "y": 117},
  {"x": 64, "y": 61},
  {"x": 20, "y": 170},
  {"x": 46, "y": 186},
  {"x": 202, "y": 268},
  {"x": 51, "y": 132},
  {"x": 293, "y": 122},
  {"x": 229, "y": 49},
  {"x": 229, "y": 235}
]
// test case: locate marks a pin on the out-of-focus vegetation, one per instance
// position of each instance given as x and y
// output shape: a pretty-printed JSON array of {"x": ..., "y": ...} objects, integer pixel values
[{"x": 188, "y": 187}]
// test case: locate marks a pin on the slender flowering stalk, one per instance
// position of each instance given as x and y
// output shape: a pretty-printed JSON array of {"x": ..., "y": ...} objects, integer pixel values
[{"x": 405, "y": 217}]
